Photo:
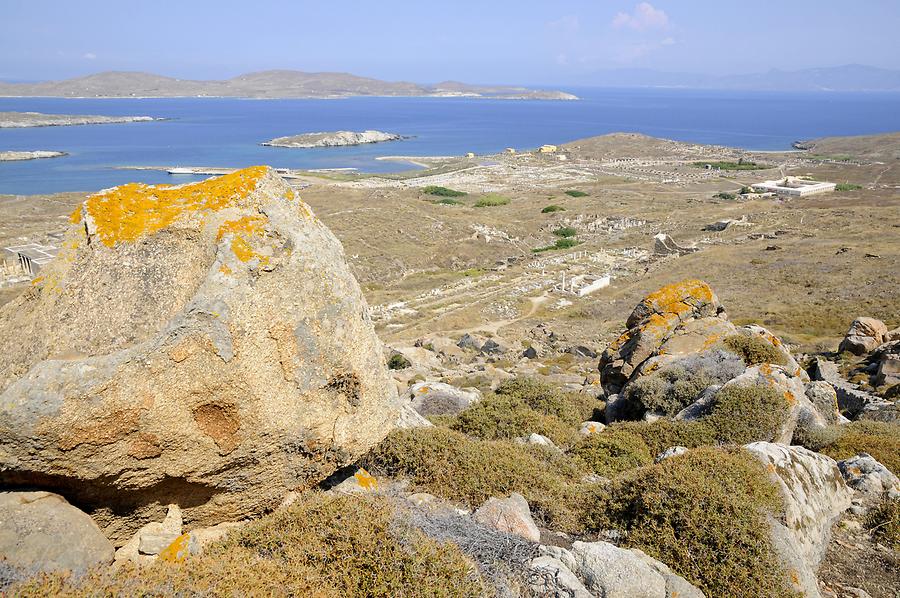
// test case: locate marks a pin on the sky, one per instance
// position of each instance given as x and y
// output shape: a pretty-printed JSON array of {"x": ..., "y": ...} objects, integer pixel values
[{"x": 561, "y": 42}]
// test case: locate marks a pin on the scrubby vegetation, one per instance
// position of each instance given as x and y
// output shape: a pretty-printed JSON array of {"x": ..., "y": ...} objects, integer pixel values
[
  {"x": 442, "y": 191},
  {"x": 565, "y": 243},
  {"x": 754, "y": 350},
  {"x": 612, "y": 452},
  {"x": 664, "y": 433},
  {"x": 674, "y": 387},
  {"x": 552, "y": 208},
  {"x": 847, "y": 187},
  {"x": 398, "y": 361},
  {"x": 565, "y": 232},
  {"x": 451, "y": 465},
  {"x": 703, "y": 514},
  {"x": 725, "y": 165},
  {"x": 879, "y": 439},
  {"x": 883, "y": 522},
  {"x": 321, "y": 546},
  {"x": 744, "y": 414},
  {"x": 491, "y": 200},
  {"x": 522, "y": 406},
  {"x": 725, "y": 195},
  {"x": 576, "y": 193}
]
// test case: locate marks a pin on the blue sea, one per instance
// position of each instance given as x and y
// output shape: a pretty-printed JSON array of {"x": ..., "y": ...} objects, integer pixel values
[{"x": 227, "y": 132}]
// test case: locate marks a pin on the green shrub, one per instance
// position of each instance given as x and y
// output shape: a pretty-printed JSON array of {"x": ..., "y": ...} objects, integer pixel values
[
  {"x": 560, "y": 244},
  {"x": 754, "y": 350},
  {"x": 442, "y": 191},
  {"x": 665, "y": 433},
  {"x": 814, "y": 438},
  {"x": 744, "y": 414},
  {"x": 490, "y": 200},
  {"x": 326, "y": 546},
  {"x": 879, "y": 439},
  {"x": 703, "y": 514},
  {"x": 565, "y": 231},
  {"x": 611, "y": 452},
  {"x": 847, "y": 187},
  {"x": 883, "y": 522},
  {"x": 398, "y": 361},
  {"x": 455, "y": 467},
  {"x": 552, "y": 208},
  {"x": 571, "y": 407},
  {"x": 499, "y": 417},
  {"x": 576, "y": 193},
  {"x": 725, "y": 195}
]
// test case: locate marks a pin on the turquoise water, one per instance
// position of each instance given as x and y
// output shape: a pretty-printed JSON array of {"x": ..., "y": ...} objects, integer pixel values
[{"x": 227, "y": 132}]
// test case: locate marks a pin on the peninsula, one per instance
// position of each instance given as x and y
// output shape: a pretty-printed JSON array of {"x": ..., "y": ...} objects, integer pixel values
[
  {"x": 333, "y": 139},
  {"x": 16, "y": 120},
  {"x": 265, "y": 84},
  {"x": 14, "y": 156}
]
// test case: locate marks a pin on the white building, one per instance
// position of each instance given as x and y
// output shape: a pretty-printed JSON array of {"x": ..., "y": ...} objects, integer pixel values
[
  {"x": 582, "y": 284},
  {"x": 794, "y": 187},
  {"x": 30, "y": 257}
]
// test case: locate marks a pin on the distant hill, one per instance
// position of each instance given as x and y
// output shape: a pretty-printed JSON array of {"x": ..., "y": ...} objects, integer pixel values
[
  {"x": 852, "y": 77},
  {"x": 265, "y": 84}
]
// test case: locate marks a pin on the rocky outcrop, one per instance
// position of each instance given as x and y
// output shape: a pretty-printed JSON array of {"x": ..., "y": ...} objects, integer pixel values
[
  {"x": 654, "y": 321},
  {"x": 864, "y": 474},
  {"x": 40, "y": 531},
  {"x": 335, "y": 139},
  {"x": 204, "y": 345},
  {"x": 16, "y": 120},
  {"x": 511, "y": 515},
  {"x": 814, "y": 495},
  {"x": 19, "y": 156},
  {"x": 865, "y": 334}
]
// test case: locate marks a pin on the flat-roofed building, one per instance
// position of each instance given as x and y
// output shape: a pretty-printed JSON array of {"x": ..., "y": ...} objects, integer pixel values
[
  {"x": 794, "y": 187},
  {"x": 30, "y": 257}
]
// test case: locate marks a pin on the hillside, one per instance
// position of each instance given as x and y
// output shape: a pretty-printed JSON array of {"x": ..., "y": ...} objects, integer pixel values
[{"x": 263, "y": 84}]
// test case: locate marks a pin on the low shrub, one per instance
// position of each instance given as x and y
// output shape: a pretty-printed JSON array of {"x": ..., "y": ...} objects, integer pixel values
[
  {"x": 665, "y": 433},
  {"x": 398, "y": 361},
  {"x": 704, "y": 515},
  {"x": 455, "y": 467},
  {"x": 883, "y": 521},
  {"x": 744, "y": 414},
  {"x": 611, "y": 452},
  {"x": 725, "y": 195},
  {"x": 560, "y": 244},
  {"x": 552, "y": 208},
  {"x": 442, "y": 191},
  {"x": 754, "y": 350},
  {"x": 571, "y": 407},
  {"x": 491, "y": 200},
  {"x": 677, "y": 385},
  {"x": 847, "y": 187},
  {"x": 816, "y": 438},
  {"x": 879, "y": 439},
  {"x": 323, "y": 546},
  {"x": 565, "y": 231},
  {"x": 575, "y": 193}
]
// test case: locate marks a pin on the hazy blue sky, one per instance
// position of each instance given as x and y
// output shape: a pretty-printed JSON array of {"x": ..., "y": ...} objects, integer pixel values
[{"x": 503, "y": 41}]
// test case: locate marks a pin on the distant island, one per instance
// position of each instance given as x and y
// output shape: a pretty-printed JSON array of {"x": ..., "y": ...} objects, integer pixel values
[
  {"x": 17, "y": 120},
  {"x": 265, "y": 84},
  {"x": 15, "y": 156},
  {"x": 334, "y": 139}
]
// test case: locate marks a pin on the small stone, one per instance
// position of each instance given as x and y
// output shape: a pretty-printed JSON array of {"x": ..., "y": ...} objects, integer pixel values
[
  {"x": 511, "y": 515},
  {"x": 591, "y": 427}
]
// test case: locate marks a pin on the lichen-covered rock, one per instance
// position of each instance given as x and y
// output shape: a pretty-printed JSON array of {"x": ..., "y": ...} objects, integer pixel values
[
  {"x": 41, "y": 531},
  {"x": 653, "y": 322},
  {"x": 864, "y": 335},
  {"x": 511, "y": 515},
  {"x": 865, "y": 474},
  {"x": 549, "y": 576},
  {"x": 787, "y": 359},
  {"x": 615, "y": 572},
  {"x": 814, "y": 495},
  {"x": 823, "y": 396},
  {"x": 201, "y": 344},
  {"x": 151, "y": 539},
  {"x": 672, "y": 451}
]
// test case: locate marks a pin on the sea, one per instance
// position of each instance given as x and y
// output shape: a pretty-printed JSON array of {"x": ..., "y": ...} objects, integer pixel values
[{"x": 227, "y": 132}]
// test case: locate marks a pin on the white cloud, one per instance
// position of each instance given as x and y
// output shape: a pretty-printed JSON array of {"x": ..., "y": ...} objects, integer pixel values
[
  {"x": 566, "y": 25},
  {"x": 645, "y": 17},
  {"x": 89, "y": 56}
]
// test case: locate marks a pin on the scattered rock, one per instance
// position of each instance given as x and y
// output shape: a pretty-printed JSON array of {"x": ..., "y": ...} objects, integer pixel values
[
  {"x": 823, "y": 396},
  {"x": 439, "y": 398},
  {"x": 582, "y": 351},
  {"x": 204, "y": 344},
  {"x": 864, "y": 474},
  {"x": 548, "y": 576},
  {"x": 672, "y": 451},
  {"x": 41, "y": 531},
  {"x": 539, "y": 440},
  {"x": 511, "y": 515},
  {"x": 663, "y": 244},
  {"x": 590, "y": 427},
  {"x": 492, "y": 347},
  {"x": 616, "y": 572},
  {"x": 361, "y": 482},
  {"x": 468, "y": 341},
  {"x": 865, "y": 334},
  {"x": 152, "y": 539}
]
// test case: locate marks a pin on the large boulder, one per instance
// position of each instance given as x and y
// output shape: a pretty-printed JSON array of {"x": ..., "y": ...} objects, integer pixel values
[
  {"x": 439, "y": 398},
  {"x": 511, "y": 515},
  {"x": 204, "y": 345},
  {"x": 864, "y": 335},
  {"x": 814, "y": 496},
  {"x": 865, "y": 474},
  {"x": 653, "y": 322},
  {"x": 40, "y": 531}
]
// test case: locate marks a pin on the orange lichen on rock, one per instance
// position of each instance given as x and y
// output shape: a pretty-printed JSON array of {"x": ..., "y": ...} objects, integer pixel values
[
  {"x": 251, "y": 225},
  {"x": 177, "y": 551},
  {"x": 128, "y": 212},
  {"x": 366, "y": 480},
  {"x": 678, "y": 298},
  {"x": 75, "y": 216}
]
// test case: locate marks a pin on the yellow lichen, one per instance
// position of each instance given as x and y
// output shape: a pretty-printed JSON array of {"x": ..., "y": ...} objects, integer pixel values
[
  {"x": 251, "y": 225},
  {"x": 128, "y": 212},
  {"x": 224, "y": 269},
  {"x": 177, "y": 551},
  {"x": 366, "y": 480},
  {"x": 75, "y": 217}
]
